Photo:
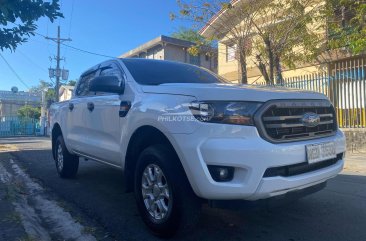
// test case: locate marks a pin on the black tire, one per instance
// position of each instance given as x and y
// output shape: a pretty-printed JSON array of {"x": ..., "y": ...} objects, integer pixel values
[
  {"x": 69, "y": 165},
  {"x": 183, "y": 206}
]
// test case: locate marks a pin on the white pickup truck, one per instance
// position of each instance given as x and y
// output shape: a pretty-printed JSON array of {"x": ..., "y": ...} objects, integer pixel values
[{"x": 184, "y": 136}]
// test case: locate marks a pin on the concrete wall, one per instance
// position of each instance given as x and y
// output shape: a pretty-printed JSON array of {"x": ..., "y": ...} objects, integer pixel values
[
  {"x": 10, "y": 108},
  {"x": 180, "y": 54},
  {"x": 155, "y": 53},
  {"x": 66, "y": 95},
  {"x": 227, "y": 69},
  {"x": 175, "y": 53},
  {"x": 356, "y": 140}
]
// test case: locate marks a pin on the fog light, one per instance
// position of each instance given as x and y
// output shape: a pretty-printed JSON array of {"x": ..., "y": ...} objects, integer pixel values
[{"x": 221, "y": 173}]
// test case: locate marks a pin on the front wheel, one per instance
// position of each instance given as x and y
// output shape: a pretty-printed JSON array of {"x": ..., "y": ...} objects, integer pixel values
[
  {"x": 66, "y": 164},
  {"x": 164, "y": 197}
]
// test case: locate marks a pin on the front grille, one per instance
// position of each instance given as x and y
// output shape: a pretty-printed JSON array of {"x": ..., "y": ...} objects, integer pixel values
[
  {"x": 281, "y": 121},
  {"x": 297, "y": 169}
]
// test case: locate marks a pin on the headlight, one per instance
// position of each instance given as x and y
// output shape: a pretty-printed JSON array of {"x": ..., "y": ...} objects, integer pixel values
[{"x": 237, "y": 113}]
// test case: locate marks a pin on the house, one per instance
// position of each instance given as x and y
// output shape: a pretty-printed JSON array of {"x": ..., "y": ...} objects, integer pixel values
[
  {"x": 337, "y": 62},
  {"x": 10, "y": 101},
  {"x": 173, "y": 49},
  {"x": 65, "y": 92}
]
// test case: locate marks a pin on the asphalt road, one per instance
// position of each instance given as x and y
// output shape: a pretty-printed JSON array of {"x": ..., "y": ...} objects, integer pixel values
[{"x": 336, "y": 213}]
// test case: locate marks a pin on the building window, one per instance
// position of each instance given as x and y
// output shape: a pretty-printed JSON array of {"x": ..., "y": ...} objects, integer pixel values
[
  {"x": 207, "y": 57},
  {"x": 196, "y": 60},
  {"x": 230, "y": 52}
]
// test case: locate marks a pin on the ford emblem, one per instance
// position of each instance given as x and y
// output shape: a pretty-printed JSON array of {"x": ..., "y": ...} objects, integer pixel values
[{"x": 310, "y": 119}]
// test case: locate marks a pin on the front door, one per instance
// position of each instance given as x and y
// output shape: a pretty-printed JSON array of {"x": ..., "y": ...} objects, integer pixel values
[{"x": 103, "y": 120}]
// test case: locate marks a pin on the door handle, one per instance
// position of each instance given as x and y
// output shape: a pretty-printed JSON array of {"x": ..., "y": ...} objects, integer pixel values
[
  {"x": 90, "y": 106},
  {"x": 71, "y": 106}
]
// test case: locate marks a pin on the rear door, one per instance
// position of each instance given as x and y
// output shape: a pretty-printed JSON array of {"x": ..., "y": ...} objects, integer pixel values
[
  {"x": 77, "y": 133},
  {"x": 103, "y": 120}
]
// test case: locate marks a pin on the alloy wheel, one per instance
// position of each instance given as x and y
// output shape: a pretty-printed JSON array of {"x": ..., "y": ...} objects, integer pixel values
[
  {"x": 60, "y": 158},
  {"x": 156, "y": 192}
]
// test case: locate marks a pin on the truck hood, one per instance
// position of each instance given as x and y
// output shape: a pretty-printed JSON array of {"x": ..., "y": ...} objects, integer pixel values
[{"x": 231, "y": 92}]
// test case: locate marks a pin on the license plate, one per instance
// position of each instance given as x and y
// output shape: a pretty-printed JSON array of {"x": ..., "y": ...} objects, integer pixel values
[{"x": 320, "y": 152}]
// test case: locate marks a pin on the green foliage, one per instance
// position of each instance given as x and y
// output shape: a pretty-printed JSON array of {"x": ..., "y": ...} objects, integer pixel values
[
  {"x": 23, "y": 14},
  {"x": 188, "y": 35},
  {"x": 200, "y": 13},
  {"x": 289, "y": 38},
  {"x": 226, "y": 5},
  {"x": 347, "y": 25},
  {"x": 50, "y": 95},
  {"x": 193, "y": 36},
  {"x": 72, "y": 82},
  {"x": 40, "y": 87},
  {"x": 29, "y": 112}
]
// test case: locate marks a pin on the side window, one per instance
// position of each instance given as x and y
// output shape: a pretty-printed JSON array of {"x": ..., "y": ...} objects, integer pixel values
[
  {"x": 83, "y": 86},
  {"x": 111, "y": 70}
]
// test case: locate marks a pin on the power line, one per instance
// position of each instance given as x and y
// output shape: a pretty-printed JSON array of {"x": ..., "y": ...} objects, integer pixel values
[
  {"x": 88, "y": 52},
  {"x": 81, "y": 50},
  {"x": 30, "y": 60},
  {"x": 78, "y": 49},
  {"x": 34, "y": 63},
  {"x": 14, "y": 72}
]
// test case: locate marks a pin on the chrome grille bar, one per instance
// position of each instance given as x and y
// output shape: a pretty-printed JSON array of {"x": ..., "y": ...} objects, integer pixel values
[{"x": 282, "y": 120}]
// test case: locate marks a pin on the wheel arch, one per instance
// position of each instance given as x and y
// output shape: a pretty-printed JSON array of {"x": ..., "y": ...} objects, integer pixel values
[{"x": 142, "y": 138}]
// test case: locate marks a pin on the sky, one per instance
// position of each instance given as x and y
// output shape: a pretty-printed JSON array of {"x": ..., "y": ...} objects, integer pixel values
[{"x": 109, "y": 27}]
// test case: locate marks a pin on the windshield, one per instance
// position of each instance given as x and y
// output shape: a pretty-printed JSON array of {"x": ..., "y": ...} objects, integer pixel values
[{"x": 156, "y": 72}]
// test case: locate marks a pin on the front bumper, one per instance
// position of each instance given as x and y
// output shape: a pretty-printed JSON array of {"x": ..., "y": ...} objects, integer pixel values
[
  {"x": 272, "y": 202},
  {"x": 241, "y": 147}
]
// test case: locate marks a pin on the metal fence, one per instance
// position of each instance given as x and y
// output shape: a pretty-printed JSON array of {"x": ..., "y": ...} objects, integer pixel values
[
  {"x": 345, "y": 87},
  {"x": 16, "y": 126}
]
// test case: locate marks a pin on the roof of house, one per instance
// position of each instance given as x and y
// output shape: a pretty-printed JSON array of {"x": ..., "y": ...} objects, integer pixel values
[
  {"x": 155, "y": 42},
  {"x": 68, "y": 87},
  {"x": 210, "y": 29},
  {"x": 65, "y": 87}
]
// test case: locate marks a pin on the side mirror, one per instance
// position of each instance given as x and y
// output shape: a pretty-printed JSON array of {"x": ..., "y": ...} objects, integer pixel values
[{"x": 109, "y": 84}]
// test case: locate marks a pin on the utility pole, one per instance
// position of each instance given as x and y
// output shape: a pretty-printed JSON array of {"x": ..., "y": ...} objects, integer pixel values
[{"x": 57, "y": 72}]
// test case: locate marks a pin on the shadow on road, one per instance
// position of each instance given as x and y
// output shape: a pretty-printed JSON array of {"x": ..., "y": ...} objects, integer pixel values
[{"x": 336, "y": 213}]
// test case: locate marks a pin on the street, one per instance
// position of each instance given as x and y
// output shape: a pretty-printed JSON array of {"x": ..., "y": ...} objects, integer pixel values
[{"x": 97, "y": 201}]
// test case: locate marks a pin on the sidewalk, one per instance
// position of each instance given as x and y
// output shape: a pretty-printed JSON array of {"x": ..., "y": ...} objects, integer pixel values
[
  {"x": 27, "y": 212},
  {"x": 355, "y": 163},
  {"x": 10, "y": 222}
]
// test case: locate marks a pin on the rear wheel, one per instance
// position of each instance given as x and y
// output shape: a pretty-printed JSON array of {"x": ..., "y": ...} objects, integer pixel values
[
  {"x": 164, "y": 197},
  {"x": 66, "y": 164}
]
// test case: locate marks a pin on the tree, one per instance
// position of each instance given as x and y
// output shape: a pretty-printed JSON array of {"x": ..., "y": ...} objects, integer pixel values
[
  {"x": 346, "y": 25},
  {"x": 235, "y": 24},
  {"x": 23, "y": 14},
  {"x": 188, "y": 34},
  {"x": 72, "y": 82},
  {"x": 201, "y": 44},
  {"x": 42, "y": 86},
  {"x": 289, "y": 36},
  {"x": 50, "y": 95},
  {"x": 29, "y": 112}
]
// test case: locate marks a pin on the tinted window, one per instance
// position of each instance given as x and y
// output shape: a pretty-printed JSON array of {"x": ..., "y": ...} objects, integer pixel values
[
  {"x": 111, "y": 70},
  {"x": 83, "y": 86},
  {"x": 155, "y": 72}
]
